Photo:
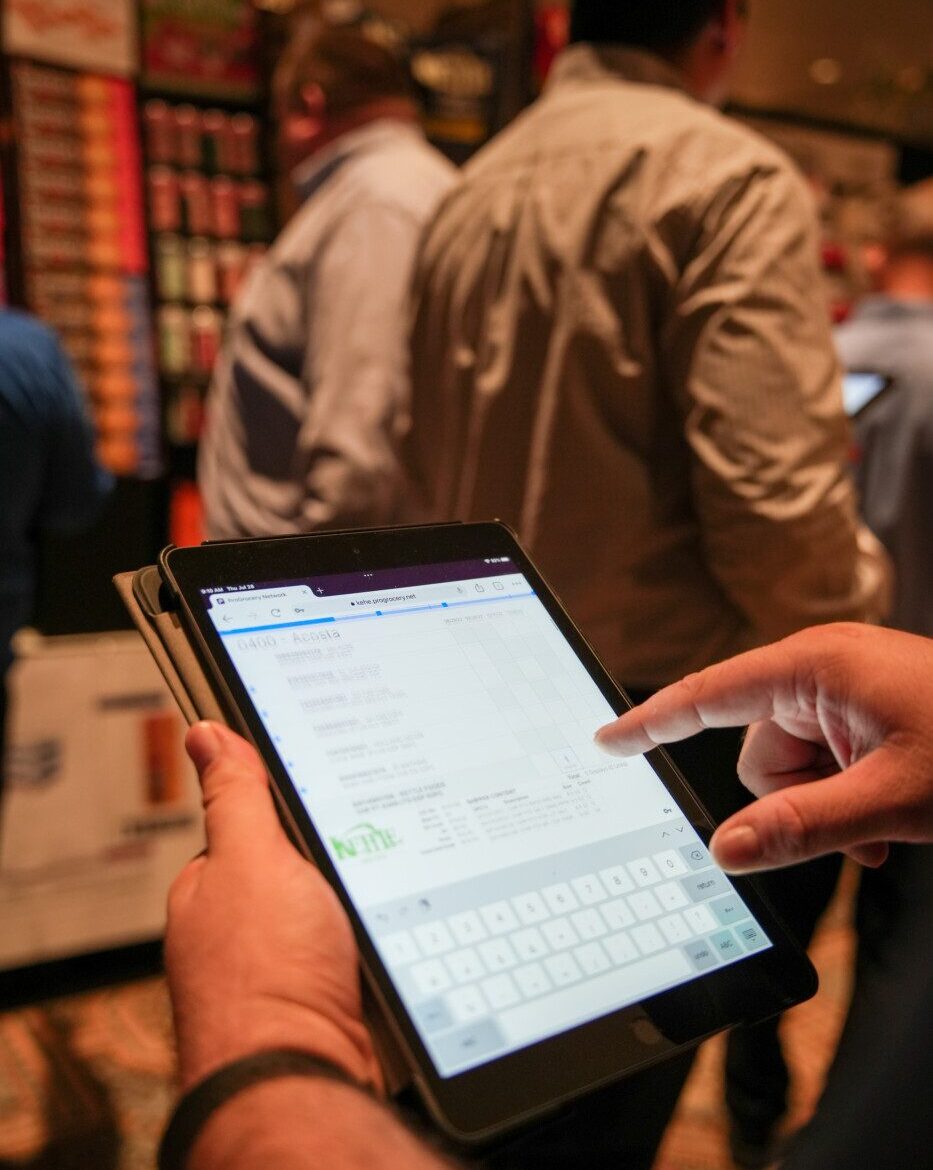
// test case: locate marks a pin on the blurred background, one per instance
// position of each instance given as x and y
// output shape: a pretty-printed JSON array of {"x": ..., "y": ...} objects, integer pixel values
[{"x": 138, "y": 185}]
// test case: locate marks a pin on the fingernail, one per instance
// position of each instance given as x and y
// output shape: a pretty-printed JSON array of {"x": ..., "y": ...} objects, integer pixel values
[
  {"x": 204, "y": 745},
  {"x": 736, "y": 848},
  {"x": 601, "y": 740}
]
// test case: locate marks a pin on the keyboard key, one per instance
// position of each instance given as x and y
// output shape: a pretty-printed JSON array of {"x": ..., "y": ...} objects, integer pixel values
[
  {"x": 644, "y": 905},
  {"x": 500, "y": 991},
  {"x": 466, "y": 1004},
  {"x": 729, "y": 909},
  {"x": 700, "y": 919},
  {"x": 532, "y": 980},
  {"x": 701, "y": 954},
  {"x": 499, "y": 917},
  {"x": 466, "y": 928},
  {"x": 468, "y": 1045},
  {"x": 530, "y": 908},
  {"x": 433, "y": 1015},
  {"x": 592, "y": 959},
  {"x": 559, "y": 934},
  {"x": 434, "y": 938},
  {"x": 752, "y": 936},
  {"x": 588, "y": 923},
  {"x": 589, "y": 889},
  {"x": 648, "y": 938},
  {"x": 621, "y": 949},
  {"x": 674, "y": 928},
  {"x": 616, "y": 879},
  {"x": 497, "y": 954},
  {"x": 465, "y": 966},
  {"x": 562, "y": 969},
  {"x": 399, "y": 948},
  {"x": 430, "y": 977},
  {"x": 605, "y": 993},
  {"x": 560, "y": 898},
  {"x": 705, "y": 885},
  {"x": 671, "y": 896},
  {"x": 670, "y": 863},
  {"x": 727, "y": 945},
  {"x": 529, "y": 944},
  {"x": 696, "y": 856},
  {"x": 643, "y": 871},
  {"x": 617, "y": 914}
]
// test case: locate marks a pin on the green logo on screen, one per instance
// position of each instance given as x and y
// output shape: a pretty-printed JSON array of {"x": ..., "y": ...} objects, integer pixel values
[{"x": 364, "y": 840}]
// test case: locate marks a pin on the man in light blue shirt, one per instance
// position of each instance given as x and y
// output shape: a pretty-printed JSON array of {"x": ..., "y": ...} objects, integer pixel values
[
  {"x": 49, "y": 480},
  {"x": 311, "y": 385}
]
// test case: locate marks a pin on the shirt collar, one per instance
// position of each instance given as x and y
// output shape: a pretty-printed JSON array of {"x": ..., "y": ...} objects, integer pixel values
[
  {"x": 309, "y": 175},
  {"x": 587, "y": 62}
]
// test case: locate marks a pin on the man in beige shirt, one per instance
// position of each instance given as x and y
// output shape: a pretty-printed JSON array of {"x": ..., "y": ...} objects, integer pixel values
[{"x": 620, "y": 347}]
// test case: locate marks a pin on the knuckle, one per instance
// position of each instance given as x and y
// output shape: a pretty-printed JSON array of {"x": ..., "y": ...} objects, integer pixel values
[{"x": 787, "y": 832}]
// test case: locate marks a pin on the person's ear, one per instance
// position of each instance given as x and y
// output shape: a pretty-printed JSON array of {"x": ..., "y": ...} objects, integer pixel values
[
  {"x": 730, "y": 28},
  {"x": 314, "y": 100},
  {"x": 874, "y": 261}
]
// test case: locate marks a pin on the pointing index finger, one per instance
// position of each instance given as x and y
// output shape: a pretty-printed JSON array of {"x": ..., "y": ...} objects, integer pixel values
[{"x": 729, "y": 694}]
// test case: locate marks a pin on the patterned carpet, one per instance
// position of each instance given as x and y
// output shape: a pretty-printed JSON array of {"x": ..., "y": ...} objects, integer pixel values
[{"x": 86, "y": 1078}]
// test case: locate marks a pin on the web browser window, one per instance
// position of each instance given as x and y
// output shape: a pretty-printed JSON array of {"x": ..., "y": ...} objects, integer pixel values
[{"x": 438, "y": 727}]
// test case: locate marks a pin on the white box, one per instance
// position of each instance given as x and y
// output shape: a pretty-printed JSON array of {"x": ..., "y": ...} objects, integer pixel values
[{"x": 101, "y": 807}]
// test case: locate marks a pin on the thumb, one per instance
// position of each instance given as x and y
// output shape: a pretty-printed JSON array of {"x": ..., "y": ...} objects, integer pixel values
[
  {"x": 858, "y": 807},
  {"x": 238, "y": 806}
]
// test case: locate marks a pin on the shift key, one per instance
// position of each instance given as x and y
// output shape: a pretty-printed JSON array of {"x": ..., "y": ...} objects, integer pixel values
[{"x": 709, "y": 883}]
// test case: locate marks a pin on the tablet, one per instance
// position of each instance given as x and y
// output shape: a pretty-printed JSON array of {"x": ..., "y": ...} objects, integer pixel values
[
  {"x": 861, "y": 388},
  {"x": 535, "y": 917}
]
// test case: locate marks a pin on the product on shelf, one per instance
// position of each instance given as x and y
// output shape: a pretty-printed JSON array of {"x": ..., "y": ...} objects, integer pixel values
[
  {"x": 84, "y": 247},
  {"x": 210, "y": 220}
]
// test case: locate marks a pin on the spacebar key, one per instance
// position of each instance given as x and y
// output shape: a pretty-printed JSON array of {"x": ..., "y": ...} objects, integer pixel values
[{"x": 595, "y": 997}]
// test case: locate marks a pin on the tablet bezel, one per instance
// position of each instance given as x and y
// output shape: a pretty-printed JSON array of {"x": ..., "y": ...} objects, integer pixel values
[{"x": 482, "y": 1102}]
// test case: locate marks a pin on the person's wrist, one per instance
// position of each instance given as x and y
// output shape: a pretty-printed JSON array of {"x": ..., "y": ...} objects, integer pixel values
[
  {"x": 344, "y": 1042},
  {"x": 239, "y": 1133}
]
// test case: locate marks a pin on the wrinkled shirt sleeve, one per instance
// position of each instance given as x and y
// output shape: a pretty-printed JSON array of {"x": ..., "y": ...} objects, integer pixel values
[{"x": 750, "y": 362}]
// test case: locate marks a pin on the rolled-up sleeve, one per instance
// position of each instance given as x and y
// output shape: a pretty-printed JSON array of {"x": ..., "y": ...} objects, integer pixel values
[{"x": 751, "y": 364}]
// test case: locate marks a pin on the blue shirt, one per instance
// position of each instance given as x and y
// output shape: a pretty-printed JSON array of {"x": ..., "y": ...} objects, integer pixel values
[
  {"x": 895, "y": 437},
  {"x": 49, "y": 479},
  {"x": 311, "y": 388}
]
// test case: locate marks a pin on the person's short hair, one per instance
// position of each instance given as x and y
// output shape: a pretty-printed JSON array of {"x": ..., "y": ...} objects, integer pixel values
[
  {"x": 661, "y": 26},
  {"x": 353, "y": 64},
  {"x": 908, "y": 219}
]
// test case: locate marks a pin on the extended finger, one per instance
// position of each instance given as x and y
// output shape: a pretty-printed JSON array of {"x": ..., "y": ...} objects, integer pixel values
[
  {"x": 728, "y": 694},
  {"x": 238, "y": 808}
]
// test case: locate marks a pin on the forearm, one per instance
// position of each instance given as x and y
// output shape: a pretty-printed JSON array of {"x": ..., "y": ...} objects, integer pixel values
[{"x": 294, "y": 1123}]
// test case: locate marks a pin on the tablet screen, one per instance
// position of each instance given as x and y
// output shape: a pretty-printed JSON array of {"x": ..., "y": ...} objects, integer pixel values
[
  {"x": 860, "y": 388},
  {"x": 438, "y": 727}
]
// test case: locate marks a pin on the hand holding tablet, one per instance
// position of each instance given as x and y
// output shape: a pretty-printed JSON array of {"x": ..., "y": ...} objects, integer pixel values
[{"x": 534, "y": 917}]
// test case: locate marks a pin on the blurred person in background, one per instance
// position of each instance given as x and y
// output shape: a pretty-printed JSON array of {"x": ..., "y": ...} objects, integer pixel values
[
  {"x": 891, "y": 332},
  {"x": 307, "y": 391},
  {"x": 874, "y": 1114},
  {"x": 49, "y": 479},
  {"x": 620, "y": 347}
]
